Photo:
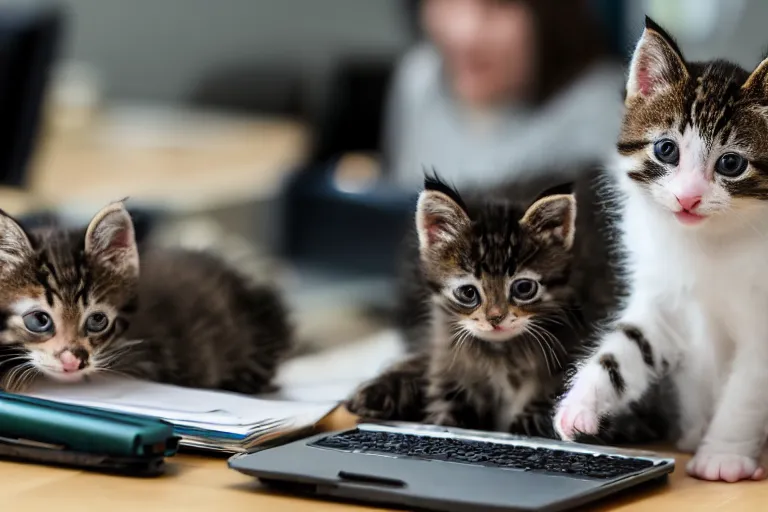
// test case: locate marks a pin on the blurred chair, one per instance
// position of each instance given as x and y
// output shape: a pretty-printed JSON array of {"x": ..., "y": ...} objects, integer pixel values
[
  {"x": 350, "y": 120},
  {"x": 327, "y": 227}
]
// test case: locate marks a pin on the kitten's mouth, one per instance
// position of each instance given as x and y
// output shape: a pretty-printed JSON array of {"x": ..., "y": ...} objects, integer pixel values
[
  {"x": 500, "y": 333},
  {"x": 69, "y": 376},
  {"x": 64, "y": 376},
  {"x": 689, "y": 218}
]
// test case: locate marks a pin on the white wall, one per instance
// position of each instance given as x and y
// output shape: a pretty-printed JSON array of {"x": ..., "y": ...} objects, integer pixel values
[
  {"x": 736, "y": 28},
  {"x": 158, "y": 49}
]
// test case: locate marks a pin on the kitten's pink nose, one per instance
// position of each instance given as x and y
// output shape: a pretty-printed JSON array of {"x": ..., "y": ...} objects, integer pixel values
[
  {"x": 70, "y": 362},
  {"x": 495, "y": 315},
  {"x": 689, "y": 202}
]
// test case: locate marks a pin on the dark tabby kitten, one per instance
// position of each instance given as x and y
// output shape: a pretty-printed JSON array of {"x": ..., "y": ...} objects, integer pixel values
[
  {"x": 494, "y": 311},
  {"x": 76, "y": 303}
]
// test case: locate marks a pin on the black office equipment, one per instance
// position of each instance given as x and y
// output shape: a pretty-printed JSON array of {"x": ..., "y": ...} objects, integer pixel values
[
  {"x": 24, "y": 452},
  {"x": 30, "y": 33},
  {"x": 41, "y": 431}
]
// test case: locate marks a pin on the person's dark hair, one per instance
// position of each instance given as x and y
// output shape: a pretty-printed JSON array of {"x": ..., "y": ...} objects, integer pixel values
[{"x": 569, "y": 39}]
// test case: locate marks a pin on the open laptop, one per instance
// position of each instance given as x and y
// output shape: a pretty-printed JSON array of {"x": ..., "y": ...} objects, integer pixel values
[{"x": 447, "y": 469}]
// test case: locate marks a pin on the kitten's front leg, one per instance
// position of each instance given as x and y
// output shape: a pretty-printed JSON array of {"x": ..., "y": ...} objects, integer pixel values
[
  {"x": 397, "y": 394},
  {"x": 627, "y": 361},
  {"x": 734, "y": 440}
]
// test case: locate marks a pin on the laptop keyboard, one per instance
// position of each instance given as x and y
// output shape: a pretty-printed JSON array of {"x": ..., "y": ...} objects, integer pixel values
[{"x": 500, "y": 455}]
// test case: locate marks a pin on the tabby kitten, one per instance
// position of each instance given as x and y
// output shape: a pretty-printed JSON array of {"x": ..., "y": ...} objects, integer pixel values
[
  {"x": 76, "y": 303},
  {"x": 500, "y": 323},
  {"x": 693, "y": 169}
]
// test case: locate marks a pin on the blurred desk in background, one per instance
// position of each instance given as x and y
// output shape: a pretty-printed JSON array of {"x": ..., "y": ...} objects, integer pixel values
[
  {"x": 220, "y": 176},
  {"x": 159, "y": 157}
]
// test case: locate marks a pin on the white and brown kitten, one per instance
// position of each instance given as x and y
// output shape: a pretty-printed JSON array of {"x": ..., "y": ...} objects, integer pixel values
[
  {"x": 693, "y": 170},
  {"x": 78, "y": 302}
]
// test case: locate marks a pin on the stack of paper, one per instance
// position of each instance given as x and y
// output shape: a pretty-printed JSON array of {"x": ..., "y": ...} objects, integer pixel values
[{"x": 204, "y": 419}]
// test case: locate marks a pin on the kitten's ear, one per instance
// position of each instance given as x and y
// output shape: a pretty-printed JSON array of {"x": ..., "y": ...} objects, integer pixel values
[
  {"x": 110, "y": 240},
  {"x": 656, "y": 64},
  {"x": 441, "y": 214},
  {"x": 758, "y": 80},
  {"x": 15, "y": 246},
  {"x": 552, "y": 217}
]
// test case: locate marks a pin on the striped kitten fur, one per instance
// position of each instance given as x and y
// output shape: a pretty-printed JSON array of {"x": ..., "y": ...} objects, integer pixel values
[
  {"x": 693, "y": 171},
  {"x": 503, "y": 295},
  {"x": 74, "y": 303}
]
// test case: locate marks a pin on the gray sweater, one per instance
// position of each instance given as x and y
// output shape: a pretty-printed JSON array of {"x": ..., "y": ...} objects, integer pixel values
[{"x": 426, "y": 127}]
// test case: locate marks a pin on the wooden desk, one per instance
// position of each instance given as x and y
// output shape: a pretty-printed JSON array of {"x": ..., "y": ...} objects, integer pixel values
[
  {"x": 204, "y": 484},
  {"x": 180, "y": 160}
]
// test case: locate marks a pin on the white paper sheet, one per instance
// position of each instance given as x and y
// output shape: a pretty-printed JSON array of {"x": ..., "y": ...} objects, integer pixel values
[{"x": 207, "y": 410}]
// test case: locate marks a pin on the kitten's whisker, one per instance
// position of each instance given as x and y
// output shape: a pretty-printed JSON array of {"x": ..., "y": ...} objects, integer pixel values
[
  {"x": 123, "y": 347},
  {"x": 131, "y": 343},
  {"x": 538, "y": 340},
  {"x": 17, "y": 358},
  {"x": 557, "y": 321},
  {"x": 13, "y": 382},
  {"x": 111, "y": 353},
  {"x": 466, "y": 335},
  {"x": 27, "y": 376},
  {"x": 552, "y": 344},
  {"x": 107, "y": 356},
  {"x": 456, "y": 341},
  {"x": 10, "y": 378}
]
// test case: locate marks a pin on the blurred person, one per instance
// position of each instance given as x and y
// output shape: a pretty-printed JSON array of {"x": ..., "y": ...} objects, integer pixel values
[{"x": 500, "y": 89}]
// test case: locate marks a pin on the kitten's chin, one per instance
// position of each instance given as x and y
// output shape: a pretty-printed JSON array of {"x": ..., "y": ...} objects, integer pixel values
[
  {"x": 498, "y": 336},
  {"x": 689, "y": 219},
  {"x": 65, "y": 377}
]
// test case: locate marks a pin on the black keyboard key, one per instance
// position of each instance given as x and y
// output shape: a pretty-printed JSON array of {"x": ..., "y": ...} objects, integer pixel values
[{"x": 483, "y": 453}]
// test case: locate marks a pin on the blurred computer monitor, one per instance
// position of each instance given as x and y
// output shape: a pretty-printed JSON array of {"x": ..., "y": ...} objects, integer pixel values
[{"x": 29, "y": 37}]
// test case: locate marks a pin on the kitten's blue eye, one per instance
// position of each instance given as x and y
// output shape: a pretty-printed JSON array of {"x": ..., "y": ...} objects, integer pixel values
[
  {"x": 96, "y": 322},
  {"x": 524, "y": 289},
  {"x": 467, "y": 295},
  {"x": 731, "y": 165},
  {"x": 38, "y": 322},
  {"x": 666, "y": 151}
]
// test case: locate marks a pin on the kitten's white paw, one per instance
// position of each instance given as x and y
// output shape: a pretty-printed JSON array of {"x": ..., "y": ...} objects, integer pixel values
[
  {"x": 725, "y": 467},
  {"x": 578, "y": 412},
  {"x": 576, "y": 415}
]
